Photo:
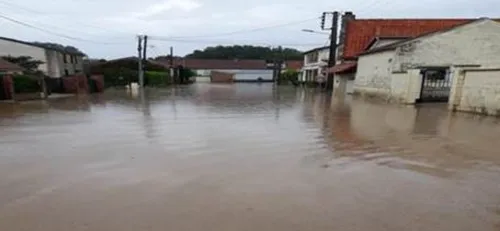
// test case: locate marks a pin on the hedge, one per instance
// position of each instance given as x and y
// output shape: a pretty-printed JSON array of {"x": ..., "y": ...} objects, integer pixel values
[
  {"x": 26, "y": 84},
  {"x": 157, "y": 78}
]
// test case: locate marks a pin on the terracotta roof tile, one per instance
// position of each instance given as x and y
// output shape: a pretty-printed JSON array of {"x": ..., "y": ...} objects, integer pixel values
[
  {"x": 295, "y": 65},
  {"x": 360, "y": 32}
]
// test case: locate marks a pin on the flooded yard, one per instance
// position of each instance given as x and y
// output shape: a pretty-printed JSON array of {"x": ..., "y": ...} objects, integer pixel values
[{"x": 244, "y": 157}]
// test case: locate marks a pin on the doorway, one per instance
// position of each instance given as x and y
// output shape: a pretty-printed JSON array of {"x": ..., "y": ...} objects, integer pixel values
[{"x": 436, "y": 85}]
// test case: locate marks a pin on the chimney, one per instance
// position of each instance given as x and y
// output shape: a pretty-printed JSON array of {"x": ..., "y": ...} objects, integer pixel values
[{"x": 346, "y": 17}]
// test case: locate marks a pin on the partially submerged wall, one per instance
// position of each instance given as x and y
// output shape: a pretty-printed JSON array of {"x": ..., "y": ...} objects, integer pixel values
[{"x": 477, "y": 91}]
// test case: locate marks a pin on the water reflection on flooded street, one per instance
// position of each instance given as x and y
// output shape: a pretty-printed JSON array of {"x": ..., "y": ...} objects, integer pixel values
[{"x": 244, "y": 157}]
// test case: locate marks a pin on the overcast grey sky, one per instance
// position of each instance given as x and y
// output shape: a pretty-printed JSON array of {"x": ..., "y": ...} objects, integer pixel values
[{"x": 109, "y": 26}]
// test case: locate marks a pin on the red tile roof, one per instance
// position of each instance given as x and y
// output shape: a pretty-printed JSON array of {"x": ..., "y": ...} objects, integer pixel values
[
  {"x": 344, "y": 67},
  {"x": 360, "y": 32},
  {"x": 8, "y": 66},
  {"x": 295, "y": 65}
]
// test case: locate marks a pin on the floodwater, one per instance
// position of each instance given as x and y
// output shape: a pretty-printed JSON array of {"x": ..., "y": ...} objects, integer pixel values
[{"x": 244, "y": 157}]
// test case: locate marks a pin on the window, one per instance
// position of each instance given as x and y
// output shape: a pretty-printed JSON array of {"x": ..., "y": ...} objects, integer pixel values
[
  {"x": 66, "y": 72},
  {"x": 76, "y": 59},
  {"x": 312, "y": 58},
  {"x": 65, "y": 59}
]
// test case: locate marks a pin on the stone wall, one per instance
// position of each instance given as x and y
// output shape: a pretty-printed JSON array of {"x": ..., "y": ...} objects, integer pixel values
[{"x": 477, "y": 91}]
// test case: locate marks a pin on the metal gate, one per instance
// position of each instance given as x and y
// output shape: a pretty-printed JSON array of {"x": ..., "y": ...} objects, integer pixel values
[{"x": 436, "y": 85}]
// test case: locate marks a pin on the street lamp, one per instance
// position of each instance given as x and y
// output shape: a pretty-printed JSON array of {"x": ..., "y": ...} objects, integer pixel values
[{"x": 315, "y": 32}]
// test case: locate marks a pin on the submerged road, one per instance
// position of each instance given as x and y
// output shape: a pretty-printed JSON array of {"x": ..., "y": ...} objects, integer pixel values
[{"x": 244, "y": 157}]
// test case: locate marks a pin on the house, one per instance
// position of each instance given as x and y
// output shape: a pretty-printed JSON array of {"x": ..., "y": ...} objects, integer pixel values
[
  {"x": 360, "y": 35},
  {"x": 9, "y": 68},
  {"x": 315, "y": 64},
  {"x": 242, "y": 70},
  {"x": 422, "y": 68},
  {"x": 56, "y": 62}
]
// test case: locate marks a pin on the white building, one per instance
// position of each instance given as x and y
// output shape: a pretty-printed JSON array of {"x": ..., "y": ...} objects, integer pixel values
[
  {"x": 243, "y": 70},
  {"x": 56, "y": 62},
  {"x": 424, "y": 68},
  {"x": 315, "y": 64}
]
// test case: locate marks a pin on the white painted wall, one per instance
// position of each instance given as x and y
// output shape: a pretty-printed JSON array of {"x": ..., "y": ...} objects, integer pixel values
[
  {"x": 53, "y": 62},
  {"x": 19, "y": 49},
  {"x": 474, "y": 43},
  {"x": 240, "y": 74},
  {"x": 374, "y": 73},
  {"x": 477, "y": 90},
  {"x": 323, "y": 56},
  {"x": 343, "y": 84}
]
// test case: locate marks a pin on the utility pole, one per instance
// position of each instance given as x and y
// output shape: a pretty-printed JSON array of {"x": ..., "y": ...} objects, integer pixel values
[
  {"x": 332, "y": 60},
  {"x": 139, "y": 60},
  {"x": 171, "y": 61},
  {"x": 144, "y": 58}
]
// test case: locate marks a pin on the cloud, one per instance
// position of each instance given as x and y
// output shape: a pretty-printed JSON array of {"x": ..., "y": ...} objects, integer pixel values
[
  {"x": 118, "y": 21},
  {"x": 162, "y": 7}
]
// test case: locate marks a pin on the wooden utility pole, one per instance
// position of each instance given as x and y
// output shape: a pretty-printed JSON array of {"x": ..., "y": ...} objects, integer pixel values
[
  {"x": 139, "y": 60},
  {"x": 332, "y": 60}
]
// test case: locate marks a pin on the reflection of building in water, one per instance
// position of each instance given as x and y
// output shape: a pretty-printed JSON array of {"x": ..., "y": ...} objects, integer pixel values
[
  {"x": 427, "y": 140},
  {"x": 251, "y": 98},
  {"x": 334, "y": 117}
]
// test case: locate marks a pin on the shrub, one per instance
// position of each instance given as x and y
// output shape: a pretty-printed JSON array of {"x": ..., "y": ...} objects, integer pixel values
[
  {"x": 289, "y": 75},
  {"x": 119, "y": 76},
  {"x": 157, "y": 78},
  {"x": 26, "y": 84}
]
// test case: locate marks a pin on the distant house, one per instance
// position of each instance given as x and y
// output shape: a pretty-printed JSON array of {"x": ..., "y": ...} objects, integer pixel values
[
  {"x": 56, "y": 62},
  {"x": 242, "y": 70},
  {"x": 315, "y": 64},
  {"x": 9, "y": 68}
]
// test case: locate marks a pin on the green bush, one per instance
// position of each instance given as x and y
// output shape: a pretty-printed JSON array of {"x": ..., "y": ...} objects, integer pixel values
[
  {"x": 157, "y": 78},
  {"x": 26, "y": 84},
  {"x": 289, "y": 75},
  {"x": 119, "y": 76}
]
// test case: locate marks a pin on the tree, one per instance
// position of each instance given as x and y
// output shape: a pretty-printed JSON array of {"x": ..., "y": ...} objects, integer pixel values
[
  {"x": 29, "y": 65},
  {"x": 57, "y": 46},
  {"x": 246, "y": 52}
]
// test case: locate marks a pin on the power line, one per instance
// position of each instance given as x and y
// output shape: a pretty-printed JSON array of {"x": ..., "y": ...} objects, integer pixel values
[
  {"x": 30, "y": 10},
  {"x": 218, "y": 42},
  {"x": 51, "y": 32},
  {"x": 238, "y": 31}
]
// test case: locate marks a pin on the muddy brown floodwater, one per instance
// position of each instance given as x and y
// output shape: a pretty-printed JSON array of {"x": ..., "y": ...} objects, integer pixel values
[{"x": 244, "y": 157}]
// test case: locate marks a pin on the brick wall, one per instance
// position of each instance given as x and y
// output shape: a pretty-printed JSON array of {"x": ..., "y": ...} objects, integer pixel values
[
  {"x": 99, "y": 82},
  {"x": 221, "y": 77},
  {"x": 76, "y": 84},
  {"x": 8, "y": 87}
]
